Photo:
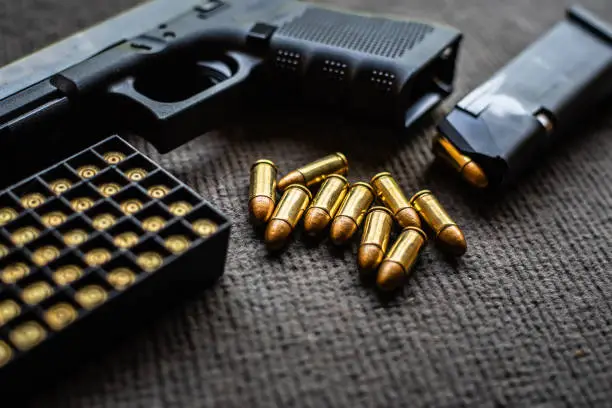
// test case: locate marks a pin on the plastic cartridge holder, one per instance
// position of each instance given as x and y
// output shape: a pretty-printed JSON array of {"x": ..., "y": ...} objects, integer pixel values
[{"x": 90, "y": 246}]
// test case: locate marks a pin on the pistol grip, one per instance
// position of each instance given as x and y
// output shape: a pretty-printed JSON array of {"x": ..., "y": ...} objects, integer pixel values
[{"x": 167, "y": 124}]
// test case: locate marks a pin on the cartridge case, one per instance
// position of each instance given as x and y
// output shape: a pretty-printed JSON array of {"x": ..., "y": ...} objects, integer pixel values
[
  {"x": 81, "y": 204},
  {"x": 24, "y": 235},
  {"x": 75, "y": 237},
  {"x": 45, "y": 254},
  {"x": 87, "y": 171},
  {"x": 53, "y": 219},
  {"x": 91, "y": 296},
  {"x": 375, "y": 238},
  {"x": 131, "y": 206},
  {"x": 286, "y": 216},
  {"x": 6, "y": 353},
  {"x": 315, "y": 172},
  {"x": 391, "y": 195},
  {"x": 60, "y": 186},
  {"x": 36, "y": 293},
  {"x": 126, "y": 240},
  {"x": 113, "y": 157},
  {"x": 27, "y": 335},
  {"x": 121, "y": 278},
  {"x": 159, "y": 191},
  {"x": 150, "y": 261},
  {"x": 204, "y": 227},
  {"x": 4, "y": 251},
  {"x": 326, "y": 203},
  {"x": 7, "y": 215},
  {"x": 352, "y": 212},
  {"x": 32, "y": 200},
  {"x": 177, "y": 244},
  {"x": 103, "y": 221},
  {"x": 448, "y": 235},
  {"x": 9, "y": 310},
  {"x": 67, "y": 274},
  {"x": 262, "y": 191},
  {"x": 180, "y": 208},
  {"x": 109, "y": 189},
  {"x": 153, "y": 224},
  {"x": 60, "y": 316},
  {"x": 292, "y": 205},
  {"x": 136, "y": 174},
  {"x": 464, "y": 165},
  {"x": 401, "y": 258},
  {"x": 97, "y": 257},
  {"x": 14, "y": 272}
]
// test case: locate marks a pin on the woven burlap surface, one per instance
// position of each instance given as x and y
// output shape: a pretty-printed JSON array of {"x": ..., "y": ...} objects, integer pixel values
[{"x": 523, "y": 319}]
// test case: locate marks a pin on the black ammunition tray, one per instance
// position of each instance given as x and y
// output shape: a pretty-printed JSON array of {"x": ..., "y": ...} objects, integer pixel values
[{"x": 50, "y": 318}]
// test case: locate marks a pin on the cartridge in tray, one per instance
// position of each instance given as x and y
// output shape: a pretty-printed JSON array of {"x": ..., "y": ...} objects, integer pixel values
[{"x": 92, "y": 243}]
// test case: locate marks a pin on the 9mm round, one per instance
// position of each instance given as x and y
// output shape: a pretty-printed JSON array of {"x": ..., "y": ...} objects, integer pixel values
[
  {"x": 375, "y": 239},
  {"x": 448, "y": 235},
  {"x": 262, "y": 191},
  {"x": 286, "y": 216},
  {"x": 391, "y": 194},
  {"x": 401, "y": 258},
  {"x": 351, "y": 213},
  {"x": 316, "y": 171},
  {"x": 326, "y": 204}
]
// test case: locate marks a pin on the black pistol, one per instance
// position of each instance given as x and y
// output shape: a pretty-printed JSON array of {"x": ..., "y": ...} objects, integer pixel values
[
  {"x": 499, "y": 129},
  {"x": 171, "y": 70}
]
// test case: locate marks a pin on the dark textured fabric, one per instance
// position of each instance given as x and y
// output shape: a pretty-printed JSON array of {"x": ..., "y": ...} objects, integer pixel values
[{"x": 524, "y": 319}]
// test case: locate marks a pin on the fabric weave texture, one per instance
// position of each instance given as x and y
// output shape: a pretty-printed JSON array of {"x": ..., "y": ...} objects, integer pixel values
[{"x": 523, "y": 319}]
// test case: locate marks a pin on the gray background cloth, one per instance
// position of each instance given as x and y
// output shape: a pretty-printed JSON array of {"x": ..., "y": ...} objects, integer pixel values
[{"x": 524, "y": 319}]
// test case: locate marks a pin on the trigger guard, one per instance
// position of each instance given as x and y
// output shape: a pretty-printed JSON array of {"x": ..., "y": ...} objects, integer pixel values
[{"x": 168, "y": 125}]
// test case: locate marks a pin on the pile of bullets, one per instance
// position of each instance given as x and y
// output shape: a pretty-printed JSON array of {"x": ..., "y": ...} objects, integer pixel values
[{"x": 344, "y": 207}]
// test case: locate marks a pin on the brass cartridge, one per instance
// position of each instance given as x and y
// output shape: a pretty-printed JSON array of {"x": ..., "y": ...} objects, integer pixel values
[
  {"x": 392, "y": 196},
  {"x": 448, "y": 235},
  {"x": 375, "y": 239},
  {"x": 27, "y": 335},
  {"x": 60, "y": 186},
  {"x": 351, "y": 212},
  {"x": 53, "y": 219},
  {"x": 75, "y": 237},
  {"x": 45, "y": 254},
  {"x": 121, "y": 278},
  {"x": 7, "y": 215},
  {"x": 401, "y": 258},
  {"x": 60, "y": 316},
  {"x": 287, "y": 214},
  {"x": 462, "y": 164},
  {"x": 91, "y": 296},
  {"x": 67, "y": 274},
  {"x": 33, "y": 200},
  {"x": 97, "y": 257},
  {"x": 113, "y": 157},
  {"x": 315, "y": 172},
  {"x": 326, "y": 204},
  {"x": 262, "y": 191}
]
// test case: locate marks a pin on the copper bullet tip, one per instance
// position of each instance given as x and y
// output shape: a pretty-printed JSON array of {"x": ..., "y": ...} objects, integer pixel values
[
  {"x": 261, "y": 209},
  {"x": 452, "y": 239},
  {"x": 473, "y": 174},
  {"x": 390, "y": 276},
  {"x": 408, "y": 217},
  {"x": 293, "y": 177},
  {"x": 342, "y": 229},
  {"x": 369, "y": 257},
  {"x": 277, "y": 234},
  {"x": 316, "y": 220}
]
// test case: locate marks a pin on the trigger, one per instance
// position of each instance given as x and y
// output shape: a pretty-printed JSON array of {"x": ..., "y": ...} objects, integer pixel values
[{"x": 215, "y": 71}]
